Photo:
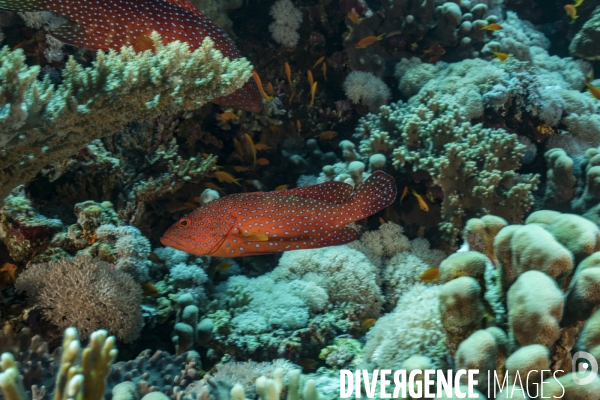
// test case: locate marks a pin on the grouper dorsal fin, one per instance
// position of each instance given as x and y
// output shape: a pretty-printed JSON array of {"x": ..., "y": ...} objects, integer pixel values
[{"x": 331, "y": 192}]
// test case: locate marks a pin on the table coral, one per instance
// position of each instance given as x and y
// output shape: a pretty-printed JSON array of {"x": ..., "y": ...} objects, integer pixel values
[{"x": 42, "y": 123}]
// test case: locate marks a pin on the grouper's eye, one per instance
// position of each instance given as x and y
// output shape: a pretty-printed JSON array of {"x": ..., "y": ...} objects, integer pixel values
[{"x": 184, "y": 221}]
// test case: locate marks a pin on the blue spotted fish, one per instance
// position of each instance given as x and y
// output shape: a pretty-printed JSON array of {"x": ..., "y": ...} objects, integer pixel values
[
  {"x": 112, "y": 24},
  {"x": 248, "y": 224}
]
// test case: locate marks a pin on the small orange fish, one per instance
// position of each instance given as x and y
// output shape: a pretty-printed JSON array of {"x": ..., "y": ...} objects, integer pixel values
[
  {"x": 155, "y": 259},
  {"x": 263, "y": 161},
  {"x": 270, "y": 89},
  {"x": 327, "y": 135},
  {"x": 238, "y": 148},
  {"x": 308, "y": 364},
  {"x": 324, "y": 69},
  {"x": 281, "y": 187},
  {"x": 435, "y": 50},
  {"x": 211, "y": 185},
  {"x": 354, "y": 17},
  {"x": 369, "y": 40},
  {"x": 260, "y": 87},
  {"x": 319, "y": 61},
  {"x": 9, "y": 269},
  {"x": 292, "y": 96},
  {"x": 288, "y": 73},
  {"x": 431, "y": 275},
  {"x": 593, "y": 90},
  {"x": 262, "y": 146},
  {"x": 226, "y": 177},
  {"x": 422, "y": 204},
  {"x": 404, "y": 193},
  {"x": 224, "y": 266},
  {"x": 250, "y": 146},
  {"x": 571, "y": 12},
  {"x": 381, "y": 221},
  {"x": 190, "y": 205},
  {"x": 492, "y": 27},
  {"x": 310, "y": 78},
  {"x": 313, "y": 90},
  {"x": 501, "y": 56},
  {"x": 239, "y": 168},
  {"x": 149, "y": 289},
  {"x": 22, "y": 44},
  {"x": 367, "y": 324},
  {"x": 229, "y": 116},
  {"x": 245, "y": 224}
]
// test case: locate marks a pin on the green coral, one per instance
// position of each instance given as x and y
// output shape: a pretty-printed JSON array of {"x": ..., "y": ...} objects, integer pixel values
[{"x": 42, "y": 123}]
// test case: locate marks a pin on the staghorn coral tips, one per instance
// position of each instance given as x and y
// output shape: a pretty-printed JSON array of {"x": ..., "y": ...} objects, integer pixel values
[
  {"x": 269, "y": 222},
  {"x": 131, "y": 23}
]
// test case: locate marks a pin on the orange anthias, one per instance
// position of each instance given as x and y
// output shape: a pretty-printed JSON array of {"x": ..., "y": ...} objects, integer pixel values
[
  {"x": 248, "y": 224},
  {"x": 112, "y": 24}
]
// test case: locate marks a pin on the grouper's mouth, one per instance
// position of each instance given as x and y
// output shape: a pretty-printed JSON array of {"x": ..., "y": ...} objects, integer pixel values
[{"x": 173, "y": 243}]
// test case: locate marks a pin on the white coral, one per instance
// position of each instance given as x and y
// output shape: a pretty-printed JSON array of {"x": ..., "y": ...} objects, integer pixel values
[
  {"x": 288, "y": 19},
  {"x": 345, "y": 274},
  {"x": 413, "y": 328},
  {"x": 367, "y": 88}
]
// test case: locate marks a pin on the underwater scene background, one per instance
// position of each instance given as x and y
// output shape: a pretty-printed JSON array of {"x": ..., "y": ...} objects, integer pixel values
[{"x": 237, "y": 199}]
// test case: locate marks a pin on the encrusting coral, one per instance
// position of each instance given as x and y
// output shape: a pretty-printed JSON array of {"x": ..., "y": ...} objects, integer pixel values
[{"x": 41, "y": 123}]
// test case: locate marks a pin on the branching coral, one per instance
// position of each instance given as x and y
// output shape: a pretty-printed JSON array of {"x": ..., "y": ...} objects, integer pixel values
[
  {"x": 41, "y": 123},
  {"x": 81, "y": 373},
  {"x": 474, "y": 166},
  {"x": 87, "y": 294}
]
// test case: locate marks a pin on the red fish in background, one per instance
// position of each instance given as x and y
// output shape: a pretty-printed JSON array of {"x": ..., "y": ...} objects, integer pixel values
[
  {"x": 112, "y": 24},
  {"x": 248, "y": 224}
]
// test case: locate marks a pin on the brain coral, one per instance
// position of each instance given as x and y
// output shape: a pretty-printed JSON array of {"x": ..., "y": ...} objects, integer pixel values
[{"x": 87, "y": 294}]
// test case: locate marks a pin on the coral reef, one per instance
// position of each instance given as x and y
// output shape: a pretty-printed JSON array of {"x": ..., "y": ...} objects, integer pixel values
[
  {"x": 43, "y": 124},
  {"x": 488, "y": 259},
  {"x": 585, "y": 42},
  {"x": 473, "y": 166}
]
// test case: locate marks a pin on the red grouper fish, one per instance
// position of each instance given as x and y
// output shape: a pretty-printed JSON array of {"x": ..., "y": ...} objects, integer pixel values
[
  {"x": 112, "y": 24},
  {"x": 248, "y": 224}
]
